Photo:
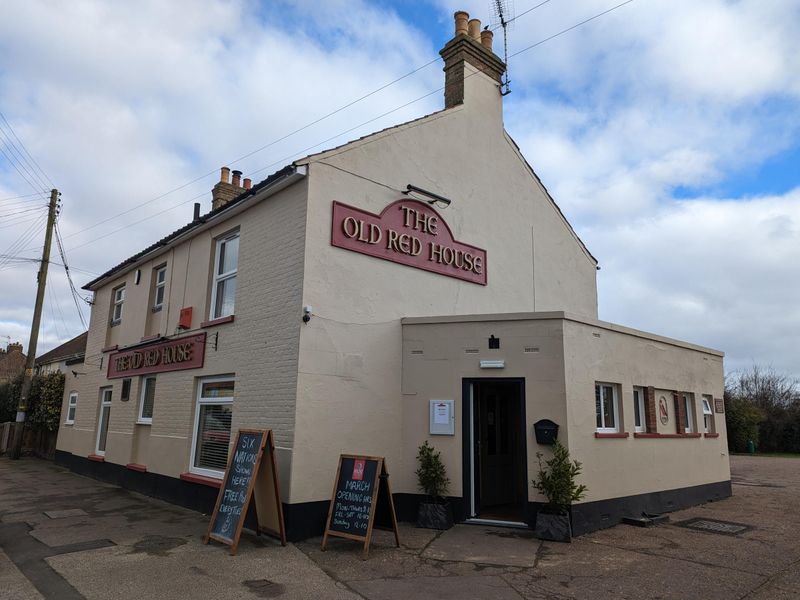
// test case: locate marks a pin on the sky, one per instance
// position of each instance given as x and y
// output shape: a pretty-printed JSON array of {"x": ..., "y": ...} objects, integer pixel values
[{"x": 668, "y": 132}]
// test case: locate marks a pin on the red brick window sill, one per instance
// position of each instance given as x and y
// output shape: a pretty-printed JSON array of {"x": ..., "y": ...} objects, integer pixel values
[
  {"x": 220, "y": 321},
  {"x": 711, "y": 435},
  {"x": 666, "y": 435},
  {"x": 608, "y": 436},
  {"x": 202, "y": 480},
  {"x": 96, "y": 458},
  {"x": 136, "y": 467}
]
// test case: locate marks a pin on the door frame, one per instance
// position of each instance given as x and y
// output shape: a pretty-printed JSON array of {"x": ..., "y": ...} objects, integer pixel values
[{"x": 471, "y": 492}]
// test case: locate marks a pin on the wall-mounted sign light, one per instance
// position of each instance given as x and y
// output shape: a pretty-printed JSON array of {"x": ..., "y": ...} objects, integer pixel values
[
  {"x": 493, "y": 364},
  {"x": 430, "y": 197}
]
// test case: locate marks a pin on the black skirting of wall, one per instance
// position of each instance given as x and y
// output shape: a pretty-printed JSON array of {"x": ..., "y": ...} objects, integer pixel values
[
  {"x": 592, "y": 516},
  {"x": 307, "y": 519}
]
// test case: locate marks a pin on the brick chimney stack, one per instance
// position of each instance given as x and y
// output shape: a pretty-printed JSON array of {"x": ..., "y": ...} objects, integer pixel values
[
  {"x": 469, "y": 45},
  {"x": 226, "y": 190},
  {"x": 15, "y": 347}
]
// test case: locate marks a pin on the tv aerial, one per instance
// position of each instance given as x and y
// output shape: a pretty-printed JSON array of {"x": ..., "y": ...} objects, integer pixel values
[{"x": 503, "y": 12}]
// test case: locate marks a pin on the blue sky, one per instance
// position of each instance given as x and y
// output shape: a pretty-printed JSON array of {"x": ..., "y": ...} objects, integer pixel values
[{"x": 667, "y": 131}]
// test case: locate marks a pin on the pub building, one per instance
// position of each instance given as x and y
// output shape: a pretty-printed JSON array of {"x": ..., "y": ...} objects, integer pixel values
[{"x": 416, "y": 284}]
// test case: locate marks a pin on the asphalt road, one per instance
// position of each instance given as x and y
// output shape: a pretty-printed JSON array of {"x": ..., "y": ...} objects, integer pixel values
[{"x": 65, "y": 536}]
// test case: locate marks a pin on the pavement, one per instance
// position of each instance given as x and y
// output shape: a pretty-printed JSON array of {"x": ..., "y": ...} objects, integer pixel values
[{"x": 64, "y": 536}]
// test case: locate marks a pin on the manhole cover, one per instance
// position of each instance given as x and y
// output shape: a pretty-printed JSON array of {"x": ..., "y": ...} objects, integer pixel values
[{"x": 714, "y": 526}]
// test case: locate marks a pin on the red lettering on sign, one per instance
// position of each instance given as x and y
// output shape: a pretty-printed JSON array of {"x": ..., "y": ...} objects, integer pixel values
[
  {"x": 172, "y": 355},
  {"x": 410, "y": 233}
]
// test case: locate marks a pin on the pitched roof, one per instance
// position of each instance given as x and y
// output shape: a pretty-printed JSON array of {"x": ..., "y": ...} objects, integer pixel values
[
  {"x": 71, "y": 349},
  {"x": 287, "y": 170}
]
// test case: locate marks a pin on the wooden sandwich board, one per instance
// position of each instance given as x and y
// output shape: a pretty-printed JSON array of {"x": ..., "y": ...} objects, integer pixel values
[
  {"x": 251, "y": 459},
  {"x": 361, "y": 500}
]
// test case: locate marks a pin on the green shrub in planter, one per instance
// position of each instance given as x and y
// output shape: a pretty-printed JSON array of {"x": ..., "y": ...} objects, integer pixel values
[
  {"x": 436, "y": 512},
  {"x": 557, "y": 482}
]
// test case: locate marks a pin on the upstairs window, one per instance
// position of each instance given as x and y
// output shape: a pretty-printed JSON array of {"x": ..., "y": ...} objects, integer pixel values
[
  {"x": 226, "y": 262},
  {"x": 116, "y": 309},
  {"x": 606, "y": 407},
  {"x": 160, "y": 285},
  {"x": 638, "y": 410},
  {"x": 708, "y": 415}
]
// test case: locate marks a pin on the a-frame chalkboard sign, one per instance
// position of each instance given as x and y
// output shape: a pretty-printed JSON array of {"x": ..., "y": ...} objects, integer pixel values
[
  {"x": 361, "y": 500},
  {"x": 252, "y": 471}
]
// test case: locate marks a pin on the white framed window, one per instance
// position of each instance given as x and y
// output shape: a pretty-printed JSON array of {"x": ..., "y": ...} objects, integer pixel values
[
  {"x": 160, "y": 286},
  {"x": 212, "y": 426},
  {"x": 688, "y": 410},
  {"x": 147, "y": 400},
  {"x": 708, "y": 414},
  {"x": 102, "y": 421},
  {"x": 607, "y": 407},
  {"x": 639, "y": 422},
  {"x": 72, "y": 405},
  {"x": 226, "y": 263},
  {"x": 116, "y": 307}
]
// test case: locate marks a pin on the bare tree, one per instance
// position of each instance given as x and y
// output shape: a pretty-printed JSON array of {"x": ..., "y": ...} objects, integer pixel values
[{"x": 764, "y": 387}]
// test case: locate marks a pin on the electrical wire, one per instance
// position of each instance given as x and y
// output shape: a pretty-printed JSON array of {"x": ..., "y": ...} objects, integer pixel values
[
  {"x": 25, "y": 237},
  {"x": 30, "y": 156},
  {"x": 16, "y": 197},
  {"x": 282, "y": 138},
  {"x": 72, "y": 288}
]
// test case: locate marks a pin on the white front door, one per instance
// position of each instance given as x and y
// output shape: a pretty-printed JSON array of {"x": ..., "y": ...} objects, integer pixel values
[{"x": 102, "y": 422}]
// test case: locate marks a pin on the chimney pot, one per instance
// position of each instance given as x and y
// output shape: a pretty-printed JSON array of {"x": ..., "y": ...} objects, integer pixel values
[
  {"x": 486, "y": 39},
  {"x": 248, "y": 183},
  {"x": 461, "y": 18},
  {"x": 196, "y": 216},
  {"x": 475, "y": 29},
  {"x": 224, "y": 175},
  {"x": 237, "y": 177}
]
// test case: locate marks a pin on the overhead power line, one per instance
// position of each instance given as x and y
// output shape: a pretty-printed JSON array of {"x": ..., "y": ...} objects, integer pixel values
[{"x": 309, "y": 148}]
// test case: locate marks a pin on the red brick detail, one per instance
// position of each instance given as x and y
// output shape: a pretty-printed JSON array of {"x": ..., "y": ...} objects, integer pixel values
[
  {"x": 136, "y": 467},
  {"x": 711, "y": 435},
  {"x": 680, "y": 412},
  {"x": 209, "y": 481},
  {"x": 220, "y": 321},
  {"x": 650, "y": 414},
  {"x": 622, "y": 435},
  {"x": 666, "y": 435},
  {"x": 110, "y": 348},
  {"x": 96, "y": 458}
]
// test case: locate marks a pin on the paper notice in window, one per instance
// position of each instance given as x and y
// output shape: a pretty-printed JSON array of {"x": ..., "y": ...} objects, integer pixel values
[{"x": 441, "y": 414}]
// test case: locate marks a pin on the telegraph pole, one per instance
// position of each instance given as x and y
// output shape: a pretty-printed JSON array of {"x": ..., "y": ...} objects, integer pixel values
[{"x": 16, "y": 448}]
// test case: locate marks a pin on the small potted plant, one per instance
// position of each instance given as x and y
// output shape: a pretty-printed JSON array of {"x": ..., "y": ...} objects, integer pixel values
[
  {"x": 557, "y": 483},
  {"x": 435, "y": 512}
]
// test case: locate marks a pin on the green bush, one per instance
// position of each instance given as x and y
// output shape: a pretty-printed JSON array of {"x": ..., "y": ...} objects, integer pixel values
[
  {"x": 44, "y": 401},
  {"x": 9, "y": 399},
  {"x": 557, "y": 477},
  {"x": 431, "y": 474},
  {"x": 742, "y": 419}
]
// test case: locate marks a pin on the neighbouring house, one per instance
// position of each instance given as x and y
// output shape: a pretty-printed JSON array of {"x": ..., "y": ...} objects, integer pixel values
[
  {"x": 12, "y": 362},
  {"x": 419, "y": 283},
  {"x": 66, "y": 355}
]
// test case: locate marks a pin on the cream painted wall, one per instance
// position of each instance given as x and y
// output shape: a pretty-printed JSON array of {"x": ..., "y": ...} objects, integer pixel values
[
  {"x": 621, "y": 467},
  {"x": 559, "y": 384},
  {"x": 349, "y": 397},
  {"x": 259, "y": 347}
]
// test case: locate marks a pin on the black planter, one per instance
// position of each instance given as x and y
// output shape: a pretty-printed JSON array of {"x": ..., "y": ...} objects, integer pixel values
[
  {"x": 435, "y": 516},
  {"x": 553, "y": 527}
]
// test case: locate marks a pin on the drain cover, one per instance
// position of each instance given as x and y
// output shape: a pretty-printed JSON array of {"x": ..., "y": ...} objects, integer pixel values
[{"x": 714, "y": 526}]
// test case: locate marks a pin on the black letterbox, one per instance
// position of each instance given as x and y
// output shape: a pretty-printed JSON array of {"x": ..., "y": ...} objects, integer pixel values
[{"x": 546, "y": 432}]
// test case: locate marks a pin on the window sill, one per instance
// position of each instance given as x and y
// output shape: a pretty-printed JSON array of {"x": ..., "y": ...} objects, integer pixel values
[
  {"x": 666, "y": 435},
  {"x": 220, "y": 321},
  {"x": 150, "y": 422},
  {"x": 711, "y": 435},
  {"x": 617, "y": 435},
  {"x": 136, "y": 467},
  {"x": 156, "y": 309},
  {"x": 96, "y": 458},
  {"x": 202, "y": 480},
  {"x": 115, "y": 323},
  {"x": 71, "y": 423},
  {"x": 110, "y": 348}
]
